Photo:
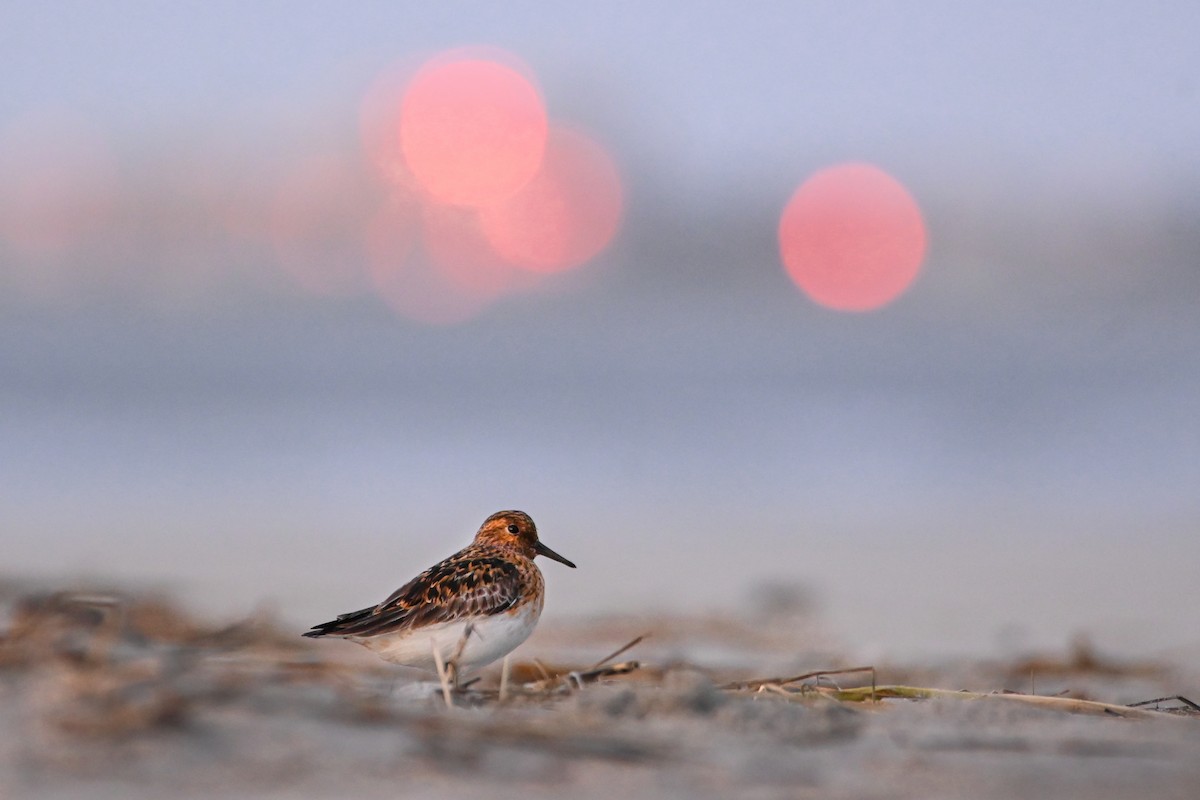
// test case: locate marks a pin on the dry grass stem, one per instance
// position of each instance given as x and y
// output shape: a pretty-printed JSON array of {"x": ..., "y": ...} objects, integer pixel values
[
  {"x": 578, "y": 679},
  {"x": 619, "y": 651},
  {"x": 1069, "y": 704},
  {"x": 758, "y": 683},
  {"x": 1188, "y": 706}
]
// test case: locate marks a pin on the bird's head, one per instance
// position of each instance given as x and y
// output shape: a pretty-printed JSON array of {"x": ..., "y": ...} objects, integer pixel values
[{"x": 515, "y": 529}]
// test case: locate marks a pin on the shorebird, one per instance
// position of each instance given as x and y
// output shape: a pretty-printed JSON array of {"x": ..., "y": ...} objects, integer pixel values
[{"x": 486, "y": 599}]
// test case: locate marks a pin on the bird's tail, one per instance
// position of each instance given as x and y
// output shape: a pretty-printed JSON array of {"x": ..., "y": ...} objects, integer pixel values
[{"x": 337, "y": 627}]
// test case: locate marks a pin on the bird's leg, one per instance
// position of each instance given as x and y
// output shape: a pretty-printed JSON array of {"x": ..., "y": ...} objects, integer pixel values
[
  {"x": 441, "y": 671},
  {"x": 452, "y": 663}
]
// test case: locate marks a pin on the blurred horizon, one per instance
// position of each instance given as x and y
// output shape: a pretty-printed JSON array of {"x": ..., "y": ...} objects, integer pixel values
[{"x": 1006, "y": 452}]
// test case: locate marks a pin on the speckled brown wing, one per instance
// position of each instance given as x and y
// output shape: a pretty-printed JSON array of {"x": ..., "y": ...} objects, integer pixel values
[{"x": 461, "y": 586}]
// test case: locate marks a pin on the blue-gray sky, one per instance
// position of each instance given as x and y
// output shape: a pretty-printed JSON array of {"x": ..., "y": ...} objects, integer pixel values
[{"x": 703, "y": 85}]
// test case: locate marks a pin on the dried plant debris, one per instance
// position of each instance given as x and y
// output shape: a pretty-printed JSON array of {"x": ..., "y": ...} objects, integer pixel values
[
  {"x": 1176, "y": 704},
  {"x": 109, "y": 664},
  {"x": 113, "y": 683}
]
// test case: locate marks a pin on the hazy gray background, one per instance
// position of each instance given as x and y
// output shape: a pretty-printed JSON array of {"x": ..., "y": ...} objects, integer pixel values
[{"x": 1007, "y": 455}]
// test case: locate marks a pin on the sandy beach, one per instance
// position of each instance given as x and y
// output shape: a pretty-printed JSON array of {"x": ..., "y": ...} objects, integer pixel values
[{"x": 108, "y": 694}]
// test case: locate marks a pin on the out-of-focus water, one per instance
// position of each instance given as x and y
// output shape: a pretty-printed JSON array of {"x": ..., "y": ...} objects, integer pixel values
[{"x": 941, "y": 494}]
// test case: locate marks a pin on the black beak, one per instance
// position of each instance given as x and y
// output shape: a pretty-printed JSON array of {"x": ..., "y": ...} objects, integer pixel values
[{"x": 542, "y": 550}]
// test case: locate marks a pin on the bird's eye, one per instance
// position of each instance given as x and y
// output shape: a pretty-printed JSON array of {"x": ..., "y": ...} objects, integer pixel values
[{"x": 513, "y": 529}]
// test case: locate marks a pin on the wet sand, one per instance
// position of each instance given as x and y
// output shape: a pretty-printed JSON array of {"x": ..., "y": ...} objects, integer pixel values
[{"x": 106, "y": 694}]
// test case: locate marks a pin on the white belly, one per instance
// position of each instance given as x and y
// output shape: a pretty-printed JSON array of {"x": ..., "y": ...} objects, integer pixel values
[{"x": 491, "y": 638}]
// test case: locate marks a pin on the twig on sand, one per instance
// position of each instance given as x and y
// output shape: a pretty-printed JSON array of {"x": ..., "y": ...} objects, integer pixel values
[
  {"x": 577, "y": 679},
  {"x": 760, "y": 683},
  {"x": 875, "y": 693},
  {"x": 634, "y": 643},
  {"x": 1070, "y": 704},
  {"x": 1189, "y": 706},
  {"x": 542, "y": 669}
]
